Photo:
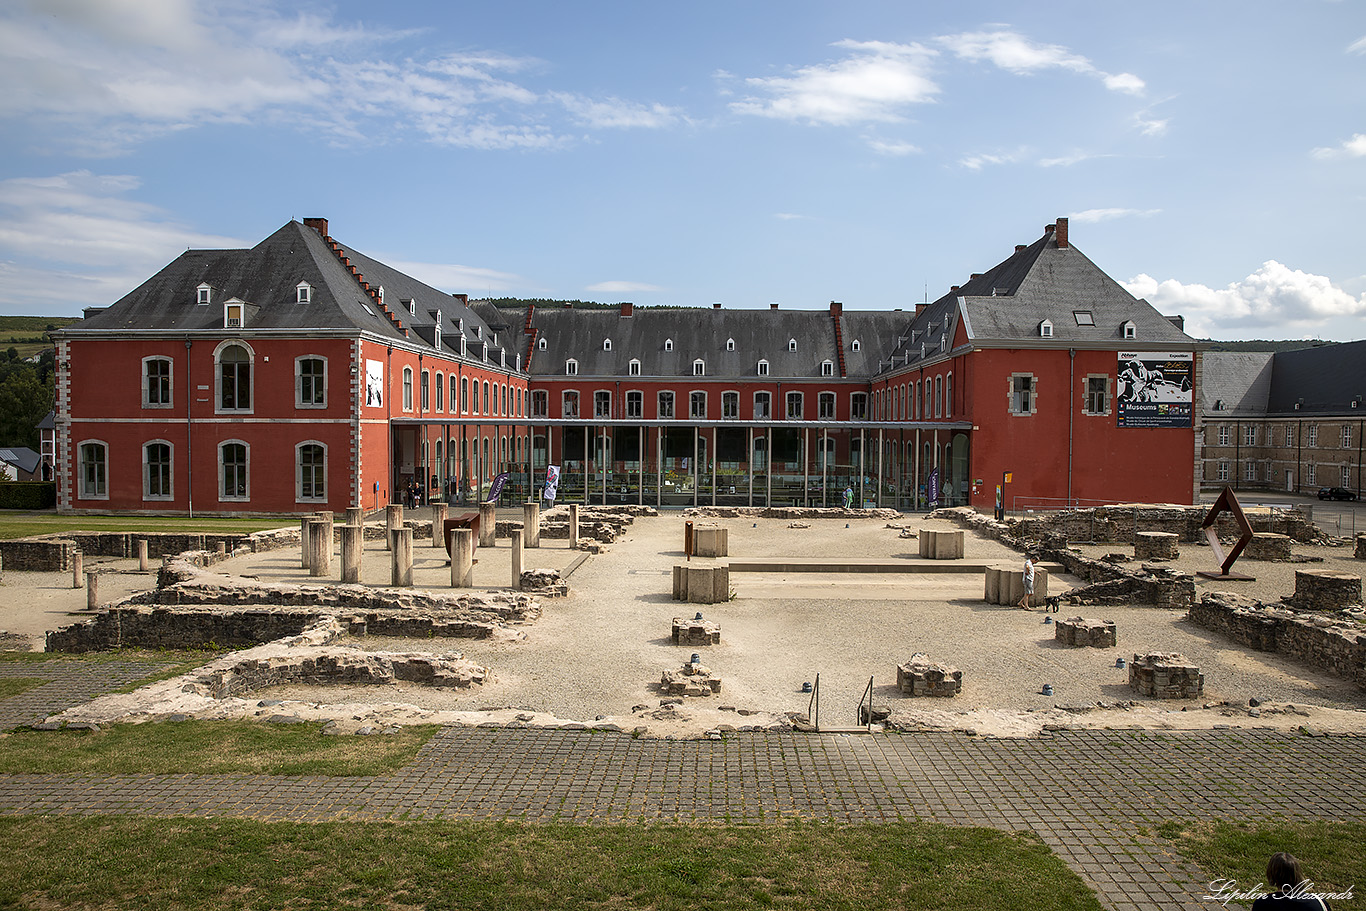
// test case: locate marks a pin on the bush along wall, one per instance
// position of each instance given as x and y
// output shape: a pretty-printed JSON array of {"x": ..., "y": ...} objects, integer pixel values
[{"x": 28, "y": 494}]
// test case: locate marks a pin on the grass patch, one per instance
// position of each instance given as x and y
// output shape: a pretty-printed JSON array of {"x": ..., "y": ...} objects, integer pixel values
[
  {"x": 1333, "y": 854},
  {"x": 117, "y": 862},
  {"x": 23, "y": 525},
  {"x": 209, "y": 748},
  {"x": 13, "y": 686}
]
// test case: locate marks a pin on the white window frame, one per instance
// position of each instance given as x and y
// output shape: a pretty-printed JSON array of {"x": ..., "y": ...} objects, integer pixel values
[
  {"x": 96, "y": 488},
  {"x": 303, "y": 293},
  {"x": 602, "y": 403},
  {"x": 633, "y": 367},
  {"x": 571, "y": 367},
  {"x": 239, "y": 307},
  {"x": 730, "y": 399},
  {"x": 635, "y": 403},
  {"x": 1224, "y": 434},
  {"x": 299, "y": 382},
  {"x": 825, "y": 406},
  {"x": 540, "y": 403},
  {"x": 147, "y": 381},
  {"x": 1011, "y": 398},
  {"x": 672, "y": 399},
  {"x": 799, "y": 412},
  {"x": 1313, "y": 440},
  {"x": 569, "y": 395},
  {"x": 762, "y": 368},
  {"x": 766, "y": 413},
  {"x": 222, "y": 472},
  {"x": 730, "y": 344},
  {"x": 1087, "y": 402},
  {"x": 858, "y": 406},
  {"x": 792, "y": 344},
  {"x": 299, "y": 496},
  {"x": 668, "y": 344},
  {"x": 692, "y": 404},
  {"x": 699, "y": 367},
  {"x": 1130, "y": 329},
  {"x": 439, "y": 387},
  {"x": 1309, "y": 477},
  {"x": 1222, "y": 470},
  {"x": 203, "y": 294},
  {"x": 407, "y": 388},
  {"x": 424, "y": 392},
  {"x": 1346, "y": 437},
  {"x": 607, "y": 344},
  {"x": 170, "y": 471},
  {"x": 540, "y": 345},
  {"x": 855, "y": 345},
  {"x": 827, "y": 367},
  {"x": 1250, "y": 435},
  {"x": 1046, "y": 329},
  {"x": 218, "y": 352}
]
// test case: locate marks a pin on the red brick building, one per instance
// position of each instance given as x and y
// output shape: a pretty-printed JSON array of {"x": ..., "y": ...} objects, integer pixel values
[{"x": 301, "y": 375}]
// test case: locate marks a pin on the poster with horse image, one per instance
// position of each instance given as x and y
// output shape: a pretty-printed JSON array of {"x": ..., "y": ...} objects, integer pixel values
[{"x": 1155, "y": 389}]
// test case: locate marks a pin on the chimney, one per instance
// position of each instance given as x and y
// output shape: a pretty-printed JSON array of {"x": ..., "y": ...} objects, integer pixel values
[
  {"x": 1061, "y": 233},
  {"x": 836, "y": 308},
  {"x": 716, "y": 305},
  {"x": 462, "y": 298},
  {"x": 974, "y": 276},
  {"x": 920, "y": 308},
  {"x": 1019, "y": 247},
  {"x": 625, "y": 308},
  {"x": 953, "y": 289},
  {"x": 1048, "y": 229},
  {"x": 773, "y": 305},
  {"x": 317, "y": 224}
]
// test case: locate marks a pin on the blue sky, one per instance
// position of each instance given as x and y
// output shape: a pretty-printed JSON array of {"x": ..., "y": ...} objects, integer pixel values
[{"x": 1210, "y": 155}]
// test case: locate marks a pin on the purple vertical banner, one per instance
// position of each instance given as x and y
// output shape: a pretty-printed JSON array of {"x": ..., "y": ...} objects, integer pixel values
[
  {"x": 552, "y": 481},
  {"x": 934, "y": 488},
  {"x": 496, "y": 487}
]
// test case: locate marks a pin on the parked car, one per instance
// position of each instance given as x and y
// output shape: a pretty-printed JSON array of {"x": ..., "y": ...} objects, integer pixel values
[{"x": 1336, "y": 493}]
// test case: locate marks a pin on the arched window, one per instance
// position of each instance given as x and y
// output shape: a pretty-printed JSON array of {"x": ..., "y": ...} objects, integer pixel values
[
  {"x": 827, "y": 368},
  {"x": 633, "y": 368},
  {"x": 455, "y": 398},
  {"x": 311, "y": 471},
  {"x": 540, "y": 344},
  {"x": 763, "y": 368},
  {"x": 426, "y": 390},
  {"x": 94, "y": 470},
  {"x": 571, "y": 367},
  {"x": 699, "y": 367},
  {"x": 440, "y": 392},
  {"x": 234, "y": 377},
  {"x": 156, "y": 382},
  {"x": 668, "y": 344},
  {"x": 730, "y": 344},
  {"x": 792, "y": 344},
  {"x": 310, "y": 382},
  {"x": 234, "y": 466},
  {"x": 156, "y": 470},
  {"x": 607, "y": 344},
  {"x": 407, "y": 388}
]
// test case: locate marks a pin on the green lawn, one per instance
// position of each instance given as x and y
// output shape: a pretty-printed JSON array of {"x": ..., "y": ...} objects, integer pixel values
[
  {"x": 120, "y": 862},
  {"x": 208, "y": 748},
  {"x": 1332, "y": 854},
  {"x": 25, "y": 524}
]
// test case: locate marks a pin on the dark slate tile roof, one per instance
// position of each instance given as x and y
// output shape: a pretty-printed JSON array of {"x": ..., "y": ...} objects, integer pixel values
[
  {"x": 266, "y": 277},
  {"x": 20, "y": 457},
  {"x": 1327, "y": 378},
  {"x": 1235, "y": 383},
  {"x": 49, "y": 421}
]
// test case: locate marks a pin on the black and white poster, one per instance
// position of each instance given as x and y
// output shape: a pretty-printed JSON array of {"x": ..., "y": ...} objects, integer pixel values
[
  {"x": 374, "y": 383},
  {"x": 1155, "y": 389}
]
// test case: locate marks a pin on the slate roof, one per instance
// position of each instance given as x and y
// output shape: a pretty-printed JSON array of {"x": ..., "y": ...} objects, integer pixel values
[
  {"x": 1235, "y": 383},
  {"x": 266, "y": 277},
  {"x": 1040, "y": 281},
  {"x": 1328, "y": 379},
  {"x": 697, "y": 333},
  {"x": 20, "y": 457},
  {"x": 49, "y": 421}
]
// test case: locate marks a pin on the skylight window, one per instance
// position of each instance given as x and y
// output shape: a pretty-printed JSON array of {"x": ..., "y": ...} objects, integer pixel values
[{"x": 1084, "y": 317}]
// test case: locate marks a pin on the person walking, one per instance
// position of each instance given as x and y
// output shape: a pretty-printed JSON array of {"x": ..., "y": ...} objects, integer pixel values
[
  {"x": 1293, "y": 890},
  {"x": 1028, "y": 581}
]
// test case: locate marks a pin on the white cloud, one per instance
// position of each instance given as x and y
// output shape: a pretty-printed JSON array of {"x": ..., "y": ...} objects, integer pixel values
[
  {"x": 1018, "y": 54},
  {"x": 789, "y": 216},
  {"x": 76, "y": 240},
  {"x": 1358, "y": 46},
  {"x": 874, "y": 83},
  {"x": 886, "y": 147},
  {"x": 622, "y": 287},
  {"x": 1066, "y": 161},
  {"x": 1350, "y": 148},
  {"x": 1151, "y": 126},
  {"x": 1087, "y": 216},
  {"x": 978, "y": 161},
  {"x": 106, "y": 74},
  {"x": 472, "y": 280},
  {"x": 1274, "y": 297}
]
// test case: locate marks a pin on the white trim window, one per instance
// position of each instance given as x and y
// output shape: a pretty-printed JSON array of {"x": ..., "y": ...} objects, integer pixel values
[
  {"x": 425, "y": 391},
  {"x": 730, "y": 405},
  {"x": 310, "y": 472},
  {"x": 858, "y": 406},
  {"x": 156, "y": 470},
  {"x": 203, "y": 294},
  {"x": 633, "y": 367},
  {"x": 439, "y": 384},
  {"x": 699, "y": 367},
  {"x": 730, "y": 344},
  {"x": 234, "y": 361},
  {"x": 1313, "y": 441},
  {"x": 1022, "y": 394},
  {"x": 1222, "y": 469},
  {"x": 827, "y": 367},
  {"x": 571, "y": 367},
  {"x": 1250, "y": 436},
  {"x": 1249, "y": 471},
  {"x": 156, "y": 382},
  {"x": 234, "y": 470},
  {"x": 92, "y": 470},
  {"x": 303, "y": 293},
  {"x": 825, "y": 406},
  {"x": 1346, "y": 436},
  {"x": 607, "y": 344},
  {"x": 763, "y": 406},
  {"x": 602, "y": 404},
  {"x": 1309, "y": 476},
  {"x": 310, "y": 381},
  {"x": 569, "y": 405},
  {"x": 1223, "y": 436},
  {"x": 794, "y": 406},
  {"x": 666, "y": 404},
  {"x": 697, "y": 405},
  {"x": 668, "y": 344},
  {"x": 635, "y": 404},
  {"x": 540, "y": 403},
  {"x": 762, "y": 369},
  {"x": 1097, "y": 398},
  {"x": 792, "y": 344},
  {"x": 407, "y": 388}
]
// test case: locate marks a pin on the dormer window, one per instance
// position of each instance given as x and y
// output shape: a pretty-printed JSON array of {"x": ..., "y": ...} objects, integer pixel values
[
  {"x": 464, "y": 346},
  {"x": 1046, "y": 329},
  {"x": 730, "y": 344},
  {"x": 460, "y": 325},
  {"x": 234, "y": 314},
  {"x": 792, "y": 344},
  {"x": 484, "y": 353},
  {"x": 436, "y": 336},
  {"x": 633, "y": 368},
  {"x": 607, "y": 344},
  {"x": 827, "y": 368},
  {"x": 1083, "y": 317},
  {"x": 205, "y": 295},
  {"x": 856, "y": 346},
  {"x": 303, "y": 293},
  {"x": 478, "y": 331},
  {"x": 763, "y": 368},
  {"x": 540, "y": 344},
  {"x": 699, "y": 367},
  {"x": 1130, "y": 330},
  {"x": 571, "y": 367},
  {"x": 668, "y": 344}
]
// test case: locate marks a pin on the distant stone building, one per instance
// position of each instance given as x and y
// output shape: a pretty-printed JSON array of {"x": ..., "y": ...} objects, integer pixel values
[
  {"x": 1290, "y": 421},
  {"x": 300, "y": 375}
]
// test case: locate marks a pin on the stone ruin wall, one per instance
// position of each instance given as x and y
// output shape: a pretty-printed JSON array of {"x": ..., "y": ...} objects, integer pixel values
[
  {"x": 789, "y": 512},
  {"x": 1118, "y": 524},
  {"x": 1329, "y": 644}
]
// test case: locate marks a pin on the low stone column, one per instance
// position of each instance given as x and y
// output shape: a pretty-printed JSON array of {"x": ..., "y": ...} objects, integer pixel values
[
  {"x": 319, "y": 548},
  {"x": 352, "y": 548},
  {"x": 221, "y": 550},
  {"x": 517, "y": 562},
  {"x": 1166, "y": 675},
  {"x": 1080, "y": 632},
  {"x": 401, "y": 544},
  {"x": 462, "y": 558},
  {"x": 1268, "y": 546},
  {"x": 1361, "y": 547},
  {"x": 393, "y": 520},
  {"x": 77, "y": 569},
  {"x": 710, "y": 541},
  {"x": 1156, "y": 545},
  {"x": 142, "y": 555},
  {"x": 573, "y": 526},
  {"x": 488, "y": 525},
  {"x": 439, "y": 514},
  {"x": 92, "y": 589},
  {"x": 305, "y": 549},
  {"x": 531, "y": 524},
  {"x": 355, "y": 515},
  {"x": 1326, "y": 589},
  {"x": 941, "y": 545},
  {"x": 329, "y": 520}
]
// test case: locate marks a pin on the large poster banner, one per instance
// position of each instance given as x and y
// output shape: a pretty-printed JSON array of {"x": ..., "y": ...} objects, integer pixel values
[
  {"x": 374, "y": 383},
  {"x": 1155, "y": 389}
]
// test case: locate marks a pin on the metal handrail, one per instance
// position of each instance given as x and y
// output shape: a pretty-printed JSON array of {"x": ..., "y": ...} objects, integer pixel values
[
  {"x": 867, "y": 692},
  {"x": 815, "y": 703}
]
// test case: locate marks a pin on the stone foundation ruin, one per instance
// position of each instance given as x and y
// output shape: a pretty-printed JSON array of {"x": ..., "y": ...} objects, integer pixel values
[
  {"x": 1165, "y": 675},
  {"x": 696, "y": 632},
  {"x": 1156, "y": 545},
  {"x": 1079, "y": 632},
  {"x": 690, "y": 680},
  {"x": 922, "y": 677}
]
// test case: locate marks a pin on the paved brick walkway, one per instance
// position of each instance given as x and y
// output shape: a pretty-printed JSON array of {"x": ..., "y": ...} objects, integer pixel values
[
  {"x": 68, "y": 682},
  {"x": 1095, "y": 797}
]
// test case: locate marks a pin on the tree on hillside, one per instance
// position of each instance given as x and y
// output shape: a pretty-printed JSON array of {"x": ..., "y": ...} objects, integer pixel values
[{"x": 25, "y": 397}]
